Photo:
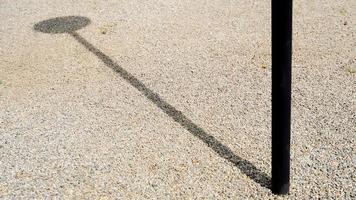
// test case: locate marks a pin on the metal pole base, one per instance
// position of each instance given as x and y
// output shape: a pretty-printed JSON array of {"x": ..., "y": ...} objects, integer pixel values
[{"x": 281, "y": 94}]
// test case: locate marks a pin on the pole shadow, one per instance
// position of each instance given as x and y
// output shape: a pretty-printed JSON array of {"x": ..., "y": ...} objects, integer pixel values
[{"x": 70, "y": 24}]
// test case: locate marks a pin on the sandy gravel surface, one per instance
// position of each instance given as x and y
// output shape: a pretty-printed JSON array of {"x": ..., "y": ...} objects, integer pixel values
[{"x": 165, "y": 99}]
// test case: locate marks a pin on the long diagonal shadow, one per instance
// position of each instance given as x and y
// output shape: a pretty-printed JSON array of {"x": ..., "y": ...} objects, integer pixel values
[{"x": 223, "y": 151}]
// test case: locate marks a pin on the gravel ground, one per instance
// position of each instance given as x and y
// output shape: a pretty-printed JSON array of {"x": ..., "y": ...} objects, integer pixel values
[{"x": 167, "y": 99}]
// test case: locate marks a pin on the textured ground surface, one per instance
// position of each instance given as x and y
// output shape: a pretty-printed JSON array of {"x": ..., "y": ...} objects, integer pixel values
[{"x": 191, "y": 120}]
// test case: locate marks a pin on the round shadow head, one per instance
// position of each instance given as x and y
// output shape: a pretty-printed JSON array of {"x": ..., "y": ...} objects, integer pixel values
[{"x": 62, "y": 24}]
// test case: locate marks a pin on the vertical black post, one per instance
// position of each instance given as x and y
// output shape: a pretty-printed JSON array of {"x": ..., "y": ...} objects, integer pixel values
[{"x": 281, "y": 93}]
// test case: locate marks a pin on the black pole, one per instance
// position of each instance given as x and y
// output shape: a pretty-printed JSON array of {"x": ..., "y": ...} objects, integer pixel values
[{"x": 281, "y": 93}]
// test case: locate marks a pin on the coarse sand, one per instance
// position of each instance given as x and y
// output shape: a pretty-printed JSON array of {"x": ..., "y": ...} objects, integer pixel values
[{"x": 168, "y": 99}]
